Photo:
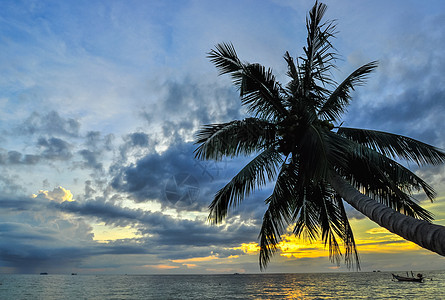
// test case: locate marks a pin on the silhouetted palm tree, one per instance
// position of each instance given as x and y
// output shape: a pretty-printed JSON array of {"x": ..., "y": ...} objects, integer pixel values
[{"x": 314, "y": 164}]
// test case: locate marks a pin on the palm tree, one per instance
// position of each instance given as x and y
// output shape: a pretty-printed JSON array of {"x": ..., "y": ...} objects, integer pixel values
[{"x": 316, "y": 166}]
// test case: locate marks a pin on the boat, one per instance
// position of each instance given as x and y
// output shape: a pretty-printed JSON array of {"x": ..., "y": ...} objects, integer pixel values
[
  {"x": 44, "y": 273},
  {"x": 419, "y": 278}
]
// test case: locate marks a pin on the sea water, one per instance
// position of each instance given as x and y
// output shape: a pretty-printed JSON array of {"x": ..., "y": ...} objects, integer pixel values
[{"x": 353, "y": 285}]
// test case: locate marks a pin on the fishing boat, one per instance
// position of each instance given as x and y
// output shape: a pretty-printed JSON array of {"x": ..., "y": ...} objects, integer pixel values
[{"x": 419, "y": 278}]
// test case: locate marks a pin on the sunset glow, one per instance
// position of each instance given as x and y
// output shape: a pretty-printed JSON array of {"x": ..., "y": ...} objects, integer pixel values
[{"x": 100, "y": 103}]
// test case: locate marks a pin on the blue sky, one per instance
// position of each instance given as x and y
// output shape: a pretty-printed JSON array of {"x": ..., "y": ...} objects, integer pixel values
[{"x": 100, "y": 101}]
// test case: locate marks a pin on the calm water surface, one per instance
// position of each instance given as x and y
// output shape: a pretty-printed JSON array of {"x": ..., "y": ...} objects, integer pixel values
[{"x": 376, "y": 285}]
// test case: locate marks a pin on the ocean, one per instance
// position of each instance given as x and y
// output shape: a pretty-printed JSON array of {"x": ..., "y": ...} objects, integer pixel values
[{"x": 353, "y": 285}]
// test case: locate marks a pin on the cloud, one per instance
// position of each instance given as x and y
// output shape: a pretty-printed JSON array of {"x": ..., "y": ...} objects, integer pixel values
[
  {"x": 91, "y": 159},
  {"x": 51, "y": 124},
  {"x": 106, "y": 100},
  {"x": 11, "y": 203},
  {"x": 58, "y": 194},
  {"x": 10, "y": 184},
  {"x": 33, "y": 236},
  {"x": 16, "y": 158},
  {"x": 147, "y": 178},
  {"x": 404, "y": 95},
  {"x": 162, "y": 229},
  {"x": 55, "y": 148}
]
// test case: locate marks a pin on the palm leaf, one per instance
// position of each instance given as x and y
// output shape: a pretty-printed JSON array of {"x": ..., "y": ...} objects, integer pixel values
[
  {"x": 340, "y": 97},
  {"x": 255, "y": 174},
  {"x": 384, "y": 179},
  {"x": 259, "y": 90},
  {"x": 369, "y": 158},
  {"x": 351, "y": 254},
  {"x": 383, "y": 187},
  {"x": 396, "y": 146},
  {"x": 330, "y": 222},
  {"x": 313, "y": 155},
  {"x": 234, "y": 138},
  {"x": 227, "y": 61},
  {"x": 277, "y": 215},
  {"x": 294, "y": 85},
  {"x": 317, "y": 61}
]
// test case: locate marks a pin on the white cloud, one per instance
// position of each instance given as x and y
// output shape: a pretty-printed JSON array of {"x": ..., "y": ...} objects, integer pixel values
[{"x": 58, "y": 194}]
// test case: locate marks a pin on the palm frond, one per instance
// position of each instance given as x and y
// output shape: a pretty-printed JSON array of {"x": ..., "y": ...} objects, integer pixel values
[
  {"x": 384, "y": 179},
  {"x": 290, "y": 128},
  {"x": 351, "y": 254},
  {"x": 233, "y": 138},
  {"x": 396, "y": 146},
  {"x": 254, "y": 175},
  {"x": 330, "y": 222},
  {"x": 259, "y": 90},
  {"x": 318, "y": 59},
  {"x": 370, "y": 157},
  {"x": 224, "y": 57},
  {"x": 383, "y": 187},
  {"x": 323, "y": 212},
  {"x": 338, "y": 100},
  {"x": 294, "y": 84},
  {"x": 277, "y": 215},
  {"x": 307, "y": 224},
  {"x": 313, "y": 154}
]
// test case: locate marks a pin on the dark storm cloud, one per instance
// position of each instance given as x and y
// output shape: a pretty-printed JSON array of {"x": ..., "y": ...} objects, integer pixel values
[
  {"x": 139, "y": 139},
  {"x": 406, "y": 94},
  {"x": 207, "y": 103},
  {"x": 52, "y": 143},
  {"x": 105, "y": 211},
  {"x": 91, "y": 159},
  {"x": 9, "y": 184},
  {"x": 411, "y": 113},
  {"x": 178, "y": 180},
  {"x": 192, "y": 233},
  {"x": 57, "y": 259},
  {"x": 187, "y": 103},
  {"x": 94, "y": 140},
  {"x": 17, "y": 158},
  {"x": 54, "y": 148},
  {"x": 38, "y": 238},
  {"x": 50, "y": 124},
  {"x": 147, "y": 178},
  {"x": 95, "y": 146},
  {"x": 164, "y": 229},
  {"x": 17, "y": 203},
  {"x": 134, "y": 141},
  {"x": 34, "y": 259},
  {"x": 20, "y": 231}
]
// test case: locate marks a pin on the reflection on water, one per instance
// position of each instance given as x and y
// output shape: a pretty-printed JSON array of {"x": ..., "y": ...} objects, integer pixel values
[{"x": 254, "y": 286}]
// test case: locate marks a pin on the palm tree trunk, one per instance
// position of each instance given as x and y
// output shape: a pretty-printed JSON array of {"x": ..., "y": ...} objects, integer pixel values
[{"x": 423, "y": 233}]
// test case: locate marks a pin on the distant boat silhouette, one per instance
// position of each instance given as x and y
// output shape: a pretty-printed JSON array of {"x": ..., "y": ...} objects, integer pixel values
[
  {"x": 44, "y": 273},
  {"x": 73, "y": 273},
  {"x": 419, "y": 278}
]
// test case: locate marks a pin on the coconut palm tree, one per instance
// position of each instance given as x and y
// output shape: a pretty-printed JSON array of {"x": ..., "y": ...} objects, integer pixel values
[{"x": 316, "y": 166}]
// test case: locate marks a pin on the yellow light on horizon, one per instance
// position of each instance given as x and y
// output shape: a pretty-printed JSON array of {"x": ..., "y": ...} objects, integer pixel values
[
  {"x": 104, "y": 233},
  {"x": 161, "y": 267},
  {"x": 248, "y": 248},
  {"x": 194, "y": 259}
]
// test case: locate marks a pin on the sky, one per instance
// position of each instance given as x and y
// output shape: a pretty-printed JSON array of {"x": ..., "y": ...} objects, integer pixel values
[{"x": 100, "y": 102}]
